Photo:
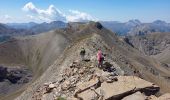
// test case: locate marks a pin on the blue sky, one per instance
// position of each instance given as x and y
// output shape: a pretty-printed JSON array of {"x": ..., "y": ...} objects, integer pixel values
[{"x": 79, "y": 10}]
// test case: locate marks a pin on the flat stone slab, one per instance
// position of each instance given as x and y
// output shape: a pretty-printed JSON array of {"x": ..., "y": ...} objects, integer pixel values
[
  {"x": 125, "y": 85},
  {"x": 82, "y": 86},
  {"x": 88, "y": 95},
  {"x": 135, "y": 96},
  {"x": 164, "y": 97}
]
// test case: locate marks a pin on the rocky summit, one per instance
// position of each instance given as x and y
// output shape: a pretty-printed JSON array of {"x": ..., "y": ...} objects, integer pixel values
[{"x": 59, "y": 73}]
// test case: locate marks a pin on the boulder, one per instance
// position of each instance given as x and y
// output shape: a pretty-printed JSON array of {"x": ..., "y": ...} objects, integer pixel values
[
  {"x": 72, "y": 65},
  {"x": 65, "y": 85},
  {"x": 68, "y": 72},
  {"x": 98, "y": 25},
  {"x": 73, "y": 80},
  {"x": 93, "y": 58},
  {"x": 126, "y": 85},
  {"x": 82, "y": 70},
  {"x": 152, "y": 97},
  {"x": 46, "y": 84},
  {"x": 108, "y": 77},
  {"x": 111, "y": 79},
  {"x": 51, "y": 86},
  {"x": 75, "y": 70},
  {"x": 3, "y": 72},
  {"x": 165, "y": 96}
]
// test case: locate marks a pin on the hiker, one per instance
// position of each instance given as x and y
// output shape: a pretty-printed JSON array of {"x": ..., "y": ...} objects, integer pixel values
[
  {"x": 100, "y": 58},
  {"x": 82, "y": 54}
]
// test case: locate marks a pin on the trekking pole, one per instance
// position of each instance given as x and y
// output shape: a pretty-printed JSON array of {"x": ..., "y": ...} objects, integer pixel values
[{"x": 134, "y": 79}]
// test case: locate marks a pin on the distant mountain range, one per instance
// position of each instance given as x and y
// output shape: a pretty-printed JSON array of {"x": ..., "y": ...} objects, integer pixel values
[{"x": 132, "y": 27}]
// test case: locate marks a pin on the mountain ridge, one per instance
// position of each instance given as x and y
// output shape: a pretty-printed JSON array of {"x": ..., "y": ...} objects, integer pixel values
[{"x": 49, "y": 53}]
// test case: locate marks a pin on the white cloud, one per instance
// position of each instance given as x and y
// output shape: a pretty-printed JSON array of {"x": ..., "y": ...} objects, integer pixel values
[
  {"x": 77, "y": 16},
  {"x": 30, "y": 16},
  {"x": 30, "y": 7},
  {"x": 53, "y": 14},
  {"x": 6, "y": 19},
  {"x": 49, "y": 14}
]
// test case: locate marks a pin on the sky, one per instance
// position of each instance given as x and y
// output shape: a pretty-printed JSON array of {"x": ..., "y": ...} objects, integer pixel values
[{"x": 20, "y": 11}]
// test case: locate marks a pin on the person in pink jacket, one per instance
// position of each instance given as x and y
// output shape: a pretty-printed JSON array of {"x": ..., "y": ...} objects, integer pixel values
[{"x": 100, "y": 58}]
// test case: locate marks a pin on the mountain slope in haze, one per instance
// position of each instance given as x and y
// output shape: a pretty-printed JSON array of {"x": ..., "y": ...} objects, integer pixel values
[
  {"x": 22, "y": 25},
  {"x": 135, "y": 27},
  {"x": 38, "y": 28},
  {"x": 156, "y": 26},
  {"x": 49, "y": 53},
  {"x": 118, "y": 27},
  {"x": 6, "y": 30},
  {"x": 156, "y": 45},
  {"x": 11, "y": 30},
  {"x": 45, "y": 27}
]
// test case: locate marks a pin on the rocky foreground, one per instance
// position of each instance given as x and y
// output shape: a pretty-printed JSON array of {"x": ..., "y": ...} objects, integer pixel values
[
  {"x": 13, "y": 78},
  {"x": 82, "y": 80}
]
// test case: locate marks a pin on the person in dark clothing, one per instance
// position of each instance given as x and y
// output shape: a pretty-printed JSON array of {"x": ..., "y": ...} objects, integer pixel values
[{"x": 82, "y": 54}]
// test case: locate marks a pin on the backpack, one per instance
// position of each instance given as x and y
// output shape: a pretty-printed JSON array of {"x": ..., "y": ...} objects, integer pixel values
[
  {"x": 82, "y": 52},
  {"x": 102, "y": 58}
]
